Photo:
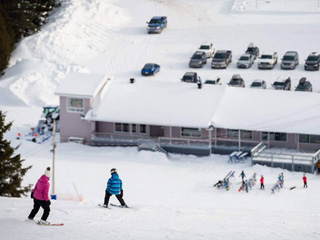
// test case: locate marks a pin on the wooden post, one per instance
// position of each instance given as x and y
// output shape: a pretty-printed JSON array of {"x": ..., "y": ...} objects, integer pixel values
[
  {"x": 239, "y": 139},
  {"x": 53, "y": 159}
]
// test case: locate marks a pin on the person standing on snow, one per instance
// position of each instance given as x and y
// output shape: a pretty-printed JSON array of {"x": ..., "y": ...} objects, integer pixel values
[
  {"x": 262, "y": 182},
  {"x": 242, "y": 176},
  {"x": 304, "y": 181},
  {"x": 114, "y": 187},
  {"x": 40, "y": 195}
]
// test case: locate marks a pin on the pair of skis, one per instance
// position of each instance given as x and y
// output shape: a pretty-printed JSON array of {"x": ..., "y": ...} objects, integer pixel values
[
  {"x": 113, "y": 205},
  {"x": 51, "y": 224}
]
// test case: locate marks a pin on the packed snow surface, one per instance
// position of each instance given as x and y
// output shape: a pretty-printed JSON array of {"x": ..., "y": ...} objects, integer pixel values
[{"x": 169, "y": 198}]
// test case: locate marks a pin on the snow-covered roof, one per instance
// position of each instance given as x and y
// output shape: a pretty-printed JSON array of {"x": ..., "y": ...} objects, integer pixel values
[
  {"x": 183, "y": 104},
  {"x": 82, "y": 85}
]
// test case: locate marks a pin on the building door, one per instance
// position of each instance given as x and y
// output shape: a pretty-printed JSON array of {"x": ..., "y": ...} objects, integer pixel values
[{"x": 156, "y": 131}]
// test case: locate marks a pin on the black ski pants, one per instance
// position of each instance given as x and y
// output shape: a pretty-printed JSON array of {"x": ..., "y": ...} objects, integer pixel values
[
  {"x": 119, "y": 197},
  {"x": 262, "y": 186},
  {"x": 36, "y": 206},
  {"x": 305, "y": 185}
]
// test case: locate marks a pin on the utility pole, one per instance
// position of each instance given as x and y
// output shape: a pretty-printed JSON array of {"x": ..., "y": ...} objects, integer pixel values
[{"x": 53, "y": 195}]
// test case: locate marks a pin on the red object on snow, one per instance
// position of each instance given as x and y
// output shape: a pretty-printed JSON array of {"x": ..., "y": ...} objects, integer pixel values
[
  {"x": 262, "y": 180},
  {"x": 304, "y": 179}
]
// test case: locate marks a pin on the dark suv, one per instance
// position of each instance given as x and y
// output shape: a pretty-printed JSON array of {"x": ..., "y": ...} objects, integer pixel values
[
  {"x": 198, "y": 59},
  {"x": 304, "y": 85},
  {"x": 290, "y": 60},
  {"x": 312, "y": 62},
  {"x": 282, "y": 84},
  {"x": 236, "y": 81},
  {"x": 221, "y": 59},
  {"x": 253, "y": 50},
  {"x": 190, "y": 77}
]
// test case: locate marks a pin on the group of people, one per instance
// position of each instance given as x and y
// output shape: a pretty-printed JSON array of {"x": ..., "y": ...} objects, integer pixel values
[{"x": 40, "y": 194}]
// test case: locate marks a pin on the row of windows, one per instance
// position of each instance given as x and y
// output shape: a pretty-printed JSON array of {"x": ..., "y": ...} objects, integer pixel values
[
  {"x": 273, "y": 136},
  {"x": 125, "y": 127}
]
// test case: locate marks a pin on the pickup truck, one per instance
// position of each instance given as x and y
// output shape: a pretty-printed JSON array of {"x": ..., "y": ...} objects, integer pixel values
[
  {"x": 208, "y": 48},
  {"x": 157, "y": 24},
  {"x": 267, "y": 60},
  {"x": 221, "y": 59}
]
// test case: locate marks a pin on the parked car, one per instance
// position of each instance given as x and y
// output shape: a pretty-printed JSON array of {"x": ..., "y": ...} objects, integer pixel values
[
  {"x": 236, "y": 81},
  {"x": 190, "y": 77},
  {"x": 290, "y": 60},
  {"x": 304, "y": 85},
  {"x": 150, "y": 69},
  {"x": 261, "y": 84},
  {"x": 253, "y": 50},
  {"x": 221, "y": 59},
  {"x": 282, "y": 83},
  {"x": 157, "y": 24},
  {"x": 216, "y": 81},
  {"x": 208, "y": 48},
  {"x": 245, "y": 61},
  {"x": 268, "y": 60},
  {"x": 313, "y": 61},
  {"x": 198, "y": 59}
]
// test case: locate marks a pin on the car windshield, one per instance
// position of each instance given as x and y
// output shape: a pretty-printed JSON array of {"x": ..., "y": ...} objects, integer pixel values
[
  {"x": 220, "y": 56},
  {"x": 155, "y": 21},
  {"x": 187, "y": 78},
  {"x": 148, "y": 66},
  {"x": 313, "y": 58},
  {"x": 288, "y": 58},
  {"x": 250, "y": 50},
  {"x": 235, "y": 82},
  {"x": 256, "y": 84},
  {"x": 266, "y": 57},
  {"x": 278, "y": 84},
  {"x": 210, "y": 81},
  {"x": 196, "y": 56},
  {"x": 244, "y": 58},
  {"x": 204, "y": 47}
]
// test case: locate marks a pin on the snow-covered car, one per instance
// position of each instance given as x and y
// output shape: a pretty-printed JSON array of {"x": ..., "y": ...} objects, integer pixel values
[
  {"x": 253, "y": 50},
  {"x": 290, "y": 60},
  {"x": 236, "y": 81},
  {"x": 304, "y": 85},
  {"x": 216, "y": 81},
  {"x": 260, "y": 84},
  {"x": 198, "y": 59},
  {"x": 313, "y": 61},
  {"x": 150, "y": 69},
  {"x": 282, "y": 83},
  {"x": 221, "y": 59},
  {"x": 208, "y": 48},
  {"x": 245, "y": 61},
  {"x": 267, "y": 60}
]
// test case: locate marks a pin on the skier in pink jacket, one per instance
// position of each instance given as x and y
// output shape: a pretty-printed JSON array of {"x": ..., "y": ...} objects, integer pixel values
[{"x": 40, "y": 195}]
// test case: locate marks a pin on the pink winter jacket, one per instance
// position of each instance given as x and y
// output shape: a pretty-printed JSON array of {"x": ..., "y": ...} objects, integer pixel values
[{"x": 41, "y": 190}]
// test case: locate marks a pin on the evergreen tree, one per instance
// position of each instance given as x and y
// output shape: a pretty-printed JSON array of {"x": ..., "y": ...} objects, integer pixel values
[{"x": 11, "y": 170}]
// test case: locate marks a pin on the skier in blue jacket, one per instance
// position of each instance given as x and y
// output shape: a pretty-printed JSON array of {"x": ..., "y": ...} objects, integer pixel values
[{"x": 114, "y": 187}]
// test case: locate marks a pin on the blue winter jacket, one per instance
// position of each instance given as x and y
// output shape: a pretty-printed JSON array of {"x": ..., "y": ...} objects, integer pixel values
[{"x": 114, "y": 184}]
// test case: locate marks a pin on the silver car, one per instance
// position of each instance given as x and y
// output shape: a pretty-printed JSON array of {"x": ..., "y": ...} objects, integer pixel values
[
  {"x": 245, "y": 61},
  {"x": 260, "y": 84},
  {"x": 290, "y": 60}
]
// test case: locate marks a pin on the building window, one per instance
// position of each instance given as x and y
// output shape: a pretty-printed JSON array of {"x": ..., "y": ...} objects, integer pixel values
[
  {"x": 134, "y": 128},
  {"x": 75, "y": 105},
  {"x": 275, "y": 136},
  {"x": 122, "y": 127},
  {"x": 191, "y": 132},
  {"x": 232, "y": 133},
  {"x": 143, "y": 128},
  {"x": 246, "y": 134},
  {"x": 305, "y": 138}
]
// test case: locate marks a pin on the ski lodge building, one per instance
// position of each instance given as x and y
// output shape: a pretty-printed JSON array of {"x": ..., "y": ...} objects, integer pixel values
[{"x": 181, "y": 118}]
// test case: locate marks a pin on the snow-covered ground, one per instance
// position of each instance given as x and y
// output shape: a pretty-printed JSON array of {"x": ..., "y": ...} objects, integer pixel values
[{"x": 170, "y": 199}]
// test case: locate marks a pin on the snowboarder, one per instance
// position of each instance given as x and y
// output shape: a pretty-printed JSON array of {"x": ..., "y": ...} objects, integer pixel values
[
  {"x": 218, "y": 184},
  {"x": 199, "y": 82},
  {"x": 114, "y": 187},
  {"x": 277, "y": 185},
  {"x": 304, "y": 181},
  {"x": 262, "y": 182},
  {"x": 40, "y": 195},
  {"x": 318, "y": 166},
  {"x": 242, "y": 176}
]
